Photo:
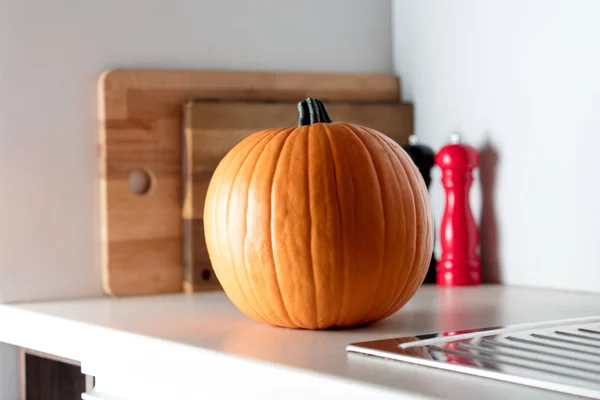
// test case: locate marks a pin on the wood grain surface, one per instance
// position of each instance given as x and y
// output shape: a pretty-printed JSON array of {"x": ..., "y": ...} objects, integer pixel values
[
  {"x": 47, "y": 377},
  {"x": 140, "y": 113},
  {"x": 212, "y": 128}
]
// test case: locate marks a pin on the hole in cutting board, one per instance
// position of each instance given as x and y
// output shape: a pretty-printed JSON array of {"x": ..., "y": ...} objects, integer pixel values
[
  {"x": 140, "y": 181},
  {"x": 206, "y": 274}
]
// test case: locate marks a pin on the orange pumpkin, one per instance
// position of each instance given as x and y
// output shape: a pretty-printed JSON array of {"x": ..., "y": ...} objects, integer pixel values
[{"x": 317, "y": 226}]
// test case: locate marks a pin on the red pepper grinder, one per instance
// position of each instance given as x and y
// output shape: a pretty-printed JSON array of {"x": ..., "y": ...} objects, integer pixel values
[{"x": 459, "y": 264}]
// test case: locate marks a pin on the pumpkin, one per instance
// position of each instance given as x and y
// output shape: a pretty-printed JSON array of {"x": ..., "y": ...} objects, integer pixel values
[{"x": 326, "y": 224}]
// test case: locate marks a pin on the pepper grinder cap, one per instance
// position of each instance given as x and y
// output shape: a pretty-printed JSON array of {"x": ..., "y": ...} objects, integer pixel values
[{"x": 457, "y": 155}]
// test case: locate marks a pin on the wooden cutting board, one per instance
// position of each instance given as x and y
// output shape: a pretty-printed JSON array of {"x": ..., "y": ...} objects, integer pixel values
[
  {"x": 212, "y": 128},
  {"x": 140, "y": 118}
]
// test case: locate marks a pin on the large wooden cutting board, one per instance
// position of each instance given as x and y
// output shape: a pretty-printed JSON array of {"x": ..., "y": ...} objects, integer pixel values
[
  {"x": 140, "y": 114},
  {"x": 211, "y": 129}
]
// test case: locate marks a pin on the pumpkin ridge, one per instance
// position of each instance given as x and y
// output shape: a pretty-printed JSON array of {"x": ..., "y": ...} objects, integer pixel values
[
  {"x": 340, "y": 224},
  {"x": 290, "y": 229},
  {"x": 250, "y": 185},
  {"x": 348, "y": 285},
  {"x": 310, "y": 224},
  {"x": 285, "y": 309},
  {"x": 402, "y": 295},
  {"x": 415, "y": 175},
  {"x": 377, "y": 138},
  {"x": 429, "y": 226},
  {"x": 399, "y": 290},
  {"x": 235, "y": 275},
  {"x": 359, "y": 140},
  {"x": 407, "y": 290},
  {"x": 245, "y": 268},
  {"x": 381, "y": 268},
  {"x": 424, "y": 206},
  {"x": 247, "y": 196}
]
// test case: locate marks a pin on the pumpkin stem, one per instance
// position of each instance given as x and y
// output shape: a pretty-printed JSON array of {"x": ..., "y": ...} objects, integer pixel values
[{"x": 312, "y": 111}]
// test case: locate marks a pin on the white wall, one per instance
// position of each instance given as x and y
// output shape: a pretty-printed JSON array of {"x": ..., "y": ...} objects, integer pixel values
[
  {"x": 9, "y": 372},
  {"x": 51, "y": 53},
  {"x": 524, "y": 75}
]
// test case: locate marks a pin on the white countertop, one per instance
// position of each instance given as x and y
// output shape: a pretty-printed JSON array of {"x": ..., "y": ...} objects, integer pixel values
[{"x": 204, "y": 337}]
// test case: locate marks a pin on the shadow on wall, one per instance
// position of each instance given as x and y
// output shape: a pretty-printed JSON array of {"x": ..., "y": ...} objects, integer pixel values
[{"x": 488, "y": 235}]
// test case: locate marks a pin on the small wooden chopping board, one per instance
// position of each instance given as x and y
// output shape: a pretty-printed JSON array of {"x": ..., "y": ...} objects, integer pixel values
[{"x": 212, "y": 128}]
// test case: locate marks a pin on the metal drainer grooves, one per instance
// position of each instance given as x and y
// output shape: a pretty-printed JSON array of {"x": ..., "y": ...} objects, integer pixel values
[
  {"x": 561, "y": 356},
  {"x": 530, "y": 359},
  {"x": 551, "y": 346},
  {"x": 491, "y": 342},
  {"x": 575, "y": 335},
  {"x": 512, "y": 363},
  {"x": 573, "y": 342},
  {"x": 589, "y": 331}
]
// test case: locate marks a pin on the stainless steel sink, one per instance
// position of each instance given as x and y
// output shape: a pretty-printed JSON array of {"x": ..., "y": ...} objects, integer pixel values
[{"x": 562, "y": 356}]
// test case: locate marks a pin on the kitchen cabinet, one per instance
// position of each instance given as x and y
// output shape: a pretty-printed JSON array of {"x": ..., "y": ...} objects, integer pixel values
[
  {"x": 188, "y": 346},
  {"x": 47, "y": 377}
]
